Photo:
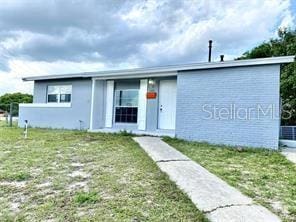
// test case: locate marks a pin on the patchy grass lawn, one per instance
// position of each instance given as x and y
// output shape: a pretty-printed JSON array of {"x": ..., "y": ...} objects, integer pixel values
[
  {"x": 266, "y": 176},
  {"x": 58, "y": 175}
]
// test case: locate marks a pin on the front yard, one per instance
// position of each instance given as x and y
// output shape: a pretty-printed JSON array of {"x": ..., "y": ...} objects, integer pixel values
[
  {"x": 266, "y": 176},
  {"x": 58, "y": 175}
]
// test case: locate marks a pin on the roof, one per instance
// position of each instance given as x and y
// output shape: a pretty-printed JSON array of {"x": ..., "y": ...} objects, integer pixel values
[{"x": 166, "y": 70}]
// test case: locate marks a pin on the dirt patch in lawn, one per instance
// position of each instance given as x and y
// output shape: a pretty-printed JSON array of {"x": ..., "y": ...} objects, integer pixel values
[
  {"x": 13, "y": 184},
  {"x": 58, "y": 175}
]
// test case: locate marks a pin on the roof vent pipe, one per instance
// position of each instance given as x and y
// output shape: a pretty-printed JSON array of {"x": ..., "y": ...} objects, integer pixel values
[
  {"x": 221, "y": 58},
  {"x": 210, "y": 50}
]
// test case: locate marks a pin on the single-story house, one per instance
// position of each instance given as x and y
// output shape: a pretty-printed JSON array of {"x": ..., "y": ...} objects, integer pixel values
[{"x": 230, "y": 102}]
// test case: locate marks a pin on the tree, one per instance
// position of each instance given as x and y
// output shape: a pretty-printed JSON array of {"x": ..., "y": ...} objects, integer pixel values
[
  {"x": 283, "y": 45},
  {"x": 14, "y": 98}
]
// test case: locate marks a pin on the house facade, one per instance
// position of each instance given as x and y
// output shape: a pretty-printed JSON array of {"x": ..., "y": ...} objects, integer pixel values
[{"x": 232, "y": 102}]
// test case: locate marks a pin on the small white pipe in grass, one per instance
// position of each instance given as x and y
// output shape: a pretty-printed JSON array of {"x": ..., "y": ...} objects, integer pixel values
[{"x": 26, "y": 129}]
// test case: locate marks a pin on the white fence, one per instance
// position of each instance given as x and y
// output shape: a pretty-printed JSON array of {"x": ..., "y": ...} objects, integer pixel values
[{"x": 14, "y": 118}]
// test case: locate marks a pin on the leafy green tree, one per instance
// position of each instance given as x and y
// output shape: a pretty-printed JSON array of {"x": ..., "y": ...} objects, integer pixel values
[
  {"x": 283, "y": 45},
  {"x": 15, "y": 99}
]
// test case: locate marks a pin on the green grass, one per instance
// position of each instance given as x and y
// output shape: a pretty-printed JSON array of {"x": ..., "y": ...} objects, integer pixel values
[
  {"x": 15, "y": 176},
  {"x": 77, "y": 176},
  {"x": 86, "y": 197},
  {"x": 266, "y": 176}
]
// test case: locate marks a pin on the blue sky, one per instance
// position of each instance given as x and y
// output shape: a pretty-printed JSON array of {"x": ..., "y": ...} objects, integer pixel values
[
  {"x": 293, "y": 7},
  {"x": 57, "y": 36}
]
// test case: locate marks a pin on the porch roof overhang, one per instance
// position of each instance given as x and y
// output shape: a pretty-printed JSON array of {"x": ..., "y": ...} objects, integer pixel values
[{"x": 161, "y": 71}]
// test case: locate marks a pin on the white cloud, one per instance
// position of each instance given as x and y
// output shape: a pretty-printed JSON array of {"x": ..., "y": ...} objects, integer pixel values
[
  {"x": 57, "y": 37},
  {"x": 12, "y": 81},
  {"x": 235, "y": 27}
]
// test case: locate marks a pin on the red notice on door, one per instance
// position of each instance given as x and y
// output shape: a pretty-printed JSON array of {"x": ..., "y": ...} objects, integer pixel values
[{"x": 151, "y": 95}]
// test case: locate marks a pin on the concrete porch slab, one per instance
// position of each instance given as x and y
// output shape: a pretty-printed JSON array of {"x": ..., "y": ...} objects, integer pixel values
[
  {"x": 288, "y": 143},
  {"x": 169, "y": 133},
  {"x": 218, "y": 200},
  {"x": 290, "y": 154}
]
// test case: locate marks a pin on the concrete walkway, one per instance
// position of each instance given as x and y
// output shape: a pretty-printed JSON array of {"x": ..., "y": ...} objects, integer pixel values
[
  {"x": 218, "y": 200},
  {"x": 290, "y": 154}
]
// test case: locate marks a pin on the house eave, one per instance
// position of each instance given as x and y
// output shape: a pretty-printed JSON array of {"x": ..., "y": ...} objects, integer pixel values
[
  {"x": 137, "y": 75},
  {"x": 166, "y": 70}
]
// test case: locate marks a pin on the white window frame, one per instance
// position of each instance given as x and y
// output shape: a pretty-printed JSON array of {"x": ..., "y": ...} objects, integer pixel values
[
  {"x": 59, "y": 94},
  {"x": 114, "y": 106}
]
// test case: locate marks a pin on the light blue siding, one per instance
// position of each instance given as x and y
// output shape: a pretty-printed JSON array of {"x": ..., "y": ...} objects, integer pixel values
[
  {"x": 246, "y": 87},
  {"x": 40, "y": 91},
  {"x": 75, "y": 117},
  {"x": 127, "y": 84}
]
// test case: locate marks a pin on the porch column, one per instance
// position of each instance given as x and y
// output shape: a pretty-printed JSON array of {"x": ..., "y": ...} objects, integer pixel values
[
  {"x": 142, "y": 105},
  {"x": 109, "y": 103},
  {"x": 97, "y": 118},
  {"x": 92, "y": 104}
]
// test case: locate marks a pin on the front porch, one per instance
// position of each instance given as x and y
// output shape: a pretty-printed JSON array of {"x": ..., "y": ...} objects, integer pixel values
[{"x": 141, "y": 106}]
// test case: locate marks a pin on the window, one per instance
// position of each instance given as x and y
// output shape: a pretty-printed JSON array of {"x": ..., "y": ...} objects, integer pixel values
[
  {"x": 59, "y": 94},
  {"x": 126, "y": 106}
]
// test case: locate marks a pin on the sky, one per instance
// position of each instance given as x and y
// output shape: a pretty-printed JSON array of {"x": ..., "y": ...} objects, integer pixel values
[{"x": 70, "y": 36}]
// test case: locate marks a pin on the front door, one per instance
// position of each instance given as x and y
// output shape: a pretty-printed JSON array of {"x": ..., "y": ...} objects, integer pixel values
[{"x": 167, "y": 104}]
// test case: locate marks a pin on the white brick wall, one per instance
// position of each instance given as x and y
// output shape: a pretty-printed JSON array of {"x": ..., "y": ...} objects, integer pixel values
[{"x": 246, "y": 87}]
